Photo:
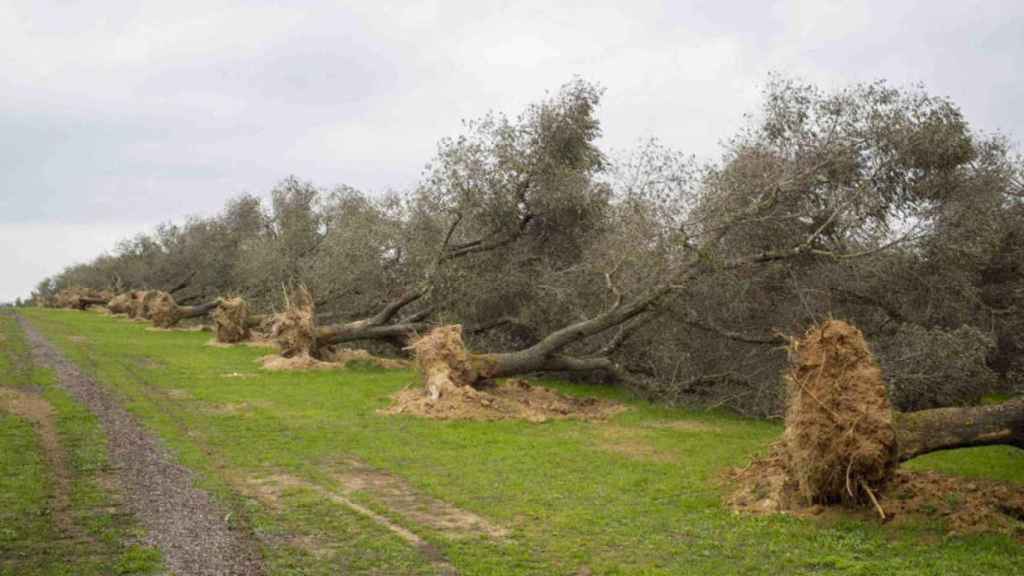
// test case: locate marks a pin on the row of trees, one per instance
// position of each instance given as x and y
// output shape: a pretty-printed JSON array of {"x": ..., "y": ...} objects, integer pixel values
[{"x": 677, "y": 277}]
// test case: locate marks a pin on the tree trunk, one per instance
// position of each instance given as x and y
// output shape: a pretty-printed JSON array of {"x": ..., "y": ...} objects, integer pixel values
[
  {"x": 919, "y": 433},
  {"x": 196, "y": 311}
]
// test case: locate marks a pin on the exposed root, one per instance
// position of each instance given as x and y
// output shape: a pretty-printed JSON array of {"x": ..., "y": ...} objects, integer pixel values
[
  {"x": 121, "y": 304},
  {"x": 163, "y": 310},
  {"x": 443, "y": 361},
  {"x": 78, "y": 298},
  {"x": 295, "y": 328},
  {"x": 231, "y": 318},
  {"x": 839, "y": 435}
]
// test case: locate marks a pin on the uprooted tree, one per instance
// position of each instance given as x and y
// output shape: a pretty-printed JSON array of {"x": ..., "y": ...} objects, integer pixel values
[
  {"x": 164, "y": 312},
  {"x": 843, "y": 441}
]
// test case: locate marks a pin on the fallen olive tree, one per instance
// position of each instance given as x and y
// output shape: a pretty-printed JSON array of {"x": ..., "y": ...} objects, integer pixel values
[
  {"x": 843, "y": 441},
  {"x": 80, "y": 298},
  {"x": 164, "y": 312},
  {"x": 926, "y": 431},
  {"x": 298, "y": 334}
]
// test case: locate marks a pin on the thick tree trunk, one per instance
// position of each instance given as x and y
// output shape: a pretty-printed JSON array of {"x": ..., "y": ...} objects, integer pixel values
[{"x": 919, "y": 433}]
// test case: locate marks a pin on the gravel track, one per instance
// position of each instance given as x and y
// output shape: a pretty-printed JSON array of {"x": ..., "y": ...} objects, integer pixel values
[{"x": 184, "y": 522}]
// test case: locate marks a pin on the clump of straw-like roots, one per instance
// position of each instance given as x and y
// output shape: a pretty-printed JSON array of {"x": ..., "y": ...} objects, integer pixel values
[
  {"x": 232, "y": 320},
  {"x": 839, "y": 442}
]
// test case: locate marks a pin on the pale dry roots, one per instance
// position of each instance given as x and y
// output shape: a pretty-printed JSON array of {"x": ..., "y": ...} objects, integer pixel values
[
  {"x": 162, "y": 309},
  {"x": 232, "y": 320},
  {"x": 121, "y": 304},
  {"x": 443, "y": 361},
  {"x": 840, "y": 442},
  {"x": 295, "y": 328}
]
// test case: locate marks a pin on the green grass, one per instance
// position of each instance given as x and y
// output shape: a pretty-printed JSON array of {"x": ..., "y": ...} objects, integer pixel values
[
  {"x": 104, "y": 538},
  {"x": 640, "y": 494}
]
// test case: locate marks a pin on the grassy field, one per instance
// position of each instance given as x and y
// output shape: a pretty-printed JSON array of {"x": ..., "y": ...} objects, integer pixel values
[
  {"x": 58, "y": 512},
  {"x": 639, "y": 494}
]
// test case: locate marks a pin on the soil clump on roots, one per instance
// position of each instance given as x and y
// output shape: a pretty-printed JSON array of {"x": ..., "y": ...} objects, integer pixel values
[
  {"x": 456, "y": 386},
  {"x": 232, "y": 320},
  {"x": 840, "y": 440},
  {"x": 839, "y": 447},
  {"x": 295, "y": 328},
  {"x": 163, "y": 310}
]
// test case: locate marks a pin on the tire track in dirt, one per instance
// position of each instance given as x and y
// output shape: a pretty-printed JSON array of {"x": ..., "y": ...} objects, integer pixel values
[
  {"x": 183, "y": 521},
  {"x": 40, "y": 413}
]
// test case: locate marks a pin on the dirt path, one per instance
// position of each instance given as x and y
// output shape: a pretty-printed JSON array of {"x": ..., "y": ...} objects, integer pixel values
[{"x": 183, "y": 521}]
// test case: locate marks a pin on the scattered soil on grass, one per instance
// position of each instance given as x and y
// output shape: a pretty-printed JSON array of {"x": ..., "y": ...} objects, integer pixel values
[
  {"x": 632, "y": 443},
  {"x": 965, "y": 505},
  {"x": 254, "y": 342},
  {"x": 681, "y": 425},
  {"x": 233, "y": 408},
  {"x": 270, "y": 490},
  {"x": 146, "y": 362},
  {"x": 195, "y": 328},
  {"x": 333, "y": 359},
  {"x": 41, "y": 414},
  {"x": 397, "y": 495},
  {"x": 243, "y": 375},
  {"x": 78, "y": 339},
  {"x": 508, "y": 400},
  {"x": 178, "y": 394}
]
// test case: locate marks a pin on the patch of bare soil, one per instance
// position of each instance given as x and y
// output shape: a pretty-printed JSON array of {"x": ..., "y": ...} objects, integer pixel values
[
  {"x": 632, "y": 443},
  {"x": 333, "y": 360},
  {"x": 270, "y": 490},
  {"x": 508, "y": 400},
  {"x": 681, "y": 425},
  {"x": 235, "y": 408},
  {"x": 396, "y": 494},
  {"x": 178, "y": 394},
  {"x": 964, "y": 505},
  {"x": 242, "y": 375},
  {"x": 40, "y": 413}
]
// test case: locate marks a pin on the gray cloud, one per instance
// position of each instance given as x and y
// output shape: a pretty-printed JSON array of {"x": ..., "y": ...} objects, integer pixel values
[{"x": 116, "y": 118}]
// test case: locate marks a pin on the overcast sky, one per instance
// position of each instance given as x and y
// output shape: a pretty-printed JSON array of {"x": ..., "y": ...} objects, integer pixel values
[{"x": 116, "y": 116}]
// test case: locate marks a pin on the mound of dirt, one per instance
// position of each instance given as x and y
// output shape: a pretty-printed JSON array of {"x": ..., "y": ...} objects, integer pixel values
[
  {"x": 840, "y": 443},
  {"x": 232, "y": 320},
  {"x": 964, "y": 505},
  {"x": 295, "y": 328},
  {"x": 509, "y": 400}
]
